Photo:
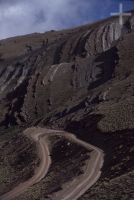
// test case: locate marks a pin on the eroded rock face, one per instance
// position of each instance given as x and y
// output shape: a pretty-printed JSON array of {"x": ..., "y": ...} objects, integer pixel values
[{"x": 45, "y": 74}]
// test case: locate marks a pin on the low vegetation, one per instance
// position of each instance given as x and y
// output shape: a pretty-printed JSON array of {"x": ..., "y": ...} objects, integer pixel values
[
  {"x": 17, "y": 158},
  {"x": 68, "y": 162}
]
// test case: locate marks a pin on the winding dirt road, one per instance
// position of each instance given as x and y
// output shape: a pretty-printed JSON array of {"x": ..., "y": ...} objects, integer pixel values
[{"x": 79, "y": 186}]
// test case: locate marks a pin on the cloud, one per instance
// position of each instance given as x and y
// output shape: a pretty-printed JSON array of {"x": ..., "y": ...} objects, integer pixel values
[{"x": 22, "y": 17}]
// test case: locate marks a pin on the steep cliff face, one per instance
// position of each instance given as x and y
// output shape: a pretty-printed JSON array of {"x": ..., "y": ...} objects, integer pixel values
[{"x": 41, "y": 73}]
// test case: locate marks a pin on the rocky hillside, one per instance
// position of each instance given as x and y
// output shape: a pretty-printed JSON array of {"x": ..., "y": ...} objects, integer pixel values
[
  {"x": 57, "y": 69},
  {"x": 80, "y": 80}
]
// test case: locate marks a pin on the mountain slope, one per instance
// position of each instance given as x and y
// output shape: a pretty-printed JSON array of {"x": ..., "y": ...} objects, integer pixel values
[
  {"x": 80, "y": 80},
  {"x": 36, "y": 65}
]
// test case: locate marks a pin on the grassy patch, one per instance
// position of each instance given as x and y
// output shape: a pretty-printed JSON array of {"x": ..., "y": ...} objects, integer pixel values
[{"x": 117, "y": 116}]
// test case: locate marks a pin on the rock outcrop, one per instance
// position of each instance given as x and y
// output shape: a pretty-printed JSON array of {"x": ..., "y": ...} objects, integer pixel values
[{"x": 42, "y": 74}]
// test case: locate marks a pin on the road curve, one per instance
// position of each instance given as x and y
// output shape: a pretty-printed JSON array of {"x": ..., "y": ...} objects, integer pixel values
[
  {"x": 91, "y": 175},
  {"x": 40, "y": 172},
  {"x": 80, "y": 186}
]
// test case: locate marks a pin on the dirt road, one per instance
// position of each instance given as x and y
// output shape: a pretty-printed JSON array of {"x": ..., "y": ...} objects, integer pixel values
[
  {"x": 91, "y": 175},
  {"x": 79, "y": 186},
  {"x": 40, "y": 172}
]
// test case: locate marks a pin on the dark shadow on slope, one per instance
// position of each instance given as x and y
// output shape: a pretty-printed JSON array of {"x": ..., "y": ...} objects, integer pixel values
[
  {"x": 58, "y": 53},
  {"x": 117, "y": 146},
  {"x": 19, "y": 94},
  {"x": 108, "y": 60}
]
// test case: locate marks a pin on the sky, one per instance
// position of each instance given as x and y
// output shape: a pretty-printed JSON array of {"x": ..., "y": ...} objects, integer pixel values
[{"x": 19, "y": 17}]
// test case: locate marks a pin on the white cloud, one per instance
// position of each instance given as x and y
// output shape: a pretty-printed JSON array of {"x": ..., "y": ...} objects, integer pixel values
[{"x": 22, "y": 17}]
